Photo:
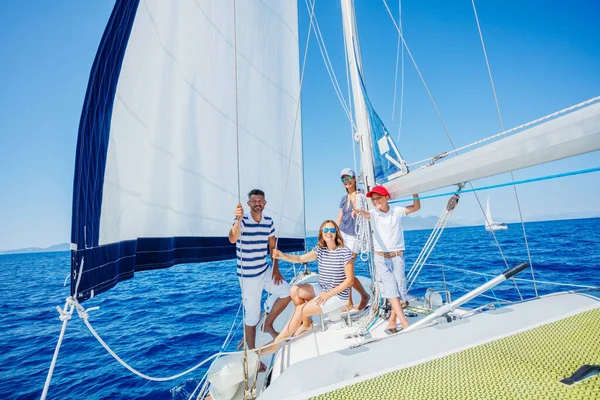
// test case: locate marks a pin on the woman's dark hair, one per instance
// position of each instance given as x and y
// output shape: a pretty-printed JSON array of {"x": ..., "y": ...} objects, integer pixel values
[{"x": 338, "y": 236}]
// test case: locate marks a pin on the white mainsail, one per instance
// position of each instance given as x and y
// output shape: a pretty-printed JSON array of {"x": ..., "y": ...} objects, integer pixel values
[
  {"x": 575, "y": 133},
  {"x": 159, "y": 187}
]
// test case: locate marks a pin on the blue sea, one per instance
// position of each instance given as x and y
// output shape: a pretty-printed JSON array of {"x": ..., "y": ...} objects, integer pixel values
[{"x": 163, "y": 322}]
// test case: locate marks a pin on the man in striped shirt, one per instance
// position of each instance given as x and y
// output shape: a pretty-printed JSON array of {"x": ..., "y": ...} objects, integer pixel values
[{"x": 254, "y": 234}]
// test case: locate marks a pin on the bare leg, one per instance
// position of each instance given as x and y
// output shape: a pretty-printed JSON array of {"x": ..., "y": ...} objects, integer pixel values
[
  {"x": 300, "y": 295},
  {"x": 279, "y": 305},
  {"x": 250, "y": 336},
  {"x": 397, "y": 313},
  {"x": 350, "y": 304},
  {"x": 287, "y": 331},
  {"x": 364, "y": 296},
  {"x": 302, "y": 312}
]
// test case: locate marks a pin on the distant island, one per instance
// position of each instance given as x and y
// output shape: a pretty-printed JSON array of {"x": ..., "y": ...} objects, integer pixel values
[
  {"x": 56, "y": 247},
  {"x": 410, "y": 224}
]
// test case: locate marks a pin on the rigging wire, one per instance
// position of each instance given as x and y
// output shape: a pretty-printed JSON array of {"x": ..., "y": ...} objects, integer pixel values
[
  {"x": 447, "y": 133},
  {"x": 399, "y": 52},
  {"x": 419, "y": 73},
  {"x": 329, "y": 67},
  {"x": 512, "y": 130},
  {"x": 487, "y": 63}
]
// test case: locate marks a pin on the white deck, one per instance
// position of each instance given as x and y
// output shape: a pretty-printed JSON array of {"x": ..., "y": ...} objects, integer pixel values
[{"x": 324, "y": 361}]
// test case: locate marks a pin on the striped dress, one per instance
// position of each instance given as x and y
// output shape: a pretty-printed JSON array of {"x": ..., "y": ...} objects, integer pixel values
[
  {"x": 331, "y": 268},
  {"x": 253, "y": 246}
]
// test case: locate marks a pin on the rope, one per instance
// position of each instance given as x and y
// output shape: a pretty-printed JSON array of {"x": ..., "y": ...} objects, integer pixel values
[
  {"x": 363, "y": 233},
  {"x": 365, "y": 247},
  {"x": 487, "y": 63},
  {"x": 84, "y": 314},
  {"x": 517, "y": 128},
  {"x": 523, "y": 181},
  {"x": 204, "y": 383},
  {"x": 237, "y": 143},
  {"x": 65, "y": 316}
]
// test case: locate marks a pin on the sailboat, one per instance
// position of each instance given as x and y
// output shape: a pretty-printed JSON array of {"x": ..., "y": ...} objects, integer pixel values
[
  {"x": 192, "y": 104},
  {"x": 490, "y": 224}
]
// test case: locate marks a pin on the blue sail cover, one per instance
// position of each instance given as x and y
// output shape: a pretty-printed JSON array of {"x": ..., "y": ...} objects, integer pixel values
[
  {"x": 156, "y": 181},
  {"x": 382, "y": 166}
]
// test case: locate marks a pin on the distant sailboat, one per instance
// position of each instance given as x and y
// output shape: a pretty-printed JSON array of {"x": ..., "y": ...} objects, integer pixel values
[{"x": 490, "y": 225}]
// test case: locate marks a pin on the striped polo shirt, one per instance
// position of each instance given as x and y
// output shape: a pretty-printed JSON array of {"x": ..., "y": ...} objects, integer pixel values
[
  {"x": 253, "y": 246},
  {"x": 331, "y": 268}
]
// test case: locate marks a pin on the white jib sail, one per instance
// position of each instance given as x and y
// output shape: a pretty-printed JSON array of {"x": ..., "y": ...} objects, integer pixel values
[{"x": 171, "y": 166}]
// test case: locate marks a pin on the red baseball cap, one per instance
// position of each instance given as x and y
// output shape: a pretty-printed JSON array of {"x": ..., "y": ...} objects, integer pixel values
[{"x": 380, "y": 190}]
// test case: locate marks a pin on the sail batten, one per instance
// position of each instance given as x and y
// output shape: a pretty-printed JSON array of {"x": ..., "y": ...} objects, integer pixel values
[
  {"x": 566, "y": 136},
  {"x": 155, "y": 181}
]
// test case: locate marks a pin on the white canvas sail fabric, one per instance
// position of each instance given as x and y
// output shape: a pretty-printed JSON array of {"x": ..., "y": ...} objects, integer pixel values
[
  {"x": 488, "y": 214},
  {"x": 170, "y": 145},
  {"x": 171, "y": 165},
  {"x": 571, "y": 134}
]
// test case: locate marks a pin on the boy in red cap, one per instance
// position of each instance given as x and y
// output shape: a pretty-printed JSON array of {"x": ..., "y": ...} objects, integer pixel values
[{"x": 388, "y": 241}]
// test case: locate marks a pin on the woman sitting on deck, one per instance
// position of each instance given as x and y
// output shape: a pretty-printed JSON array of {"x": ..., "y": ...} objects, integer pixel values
[{"x": 336, "y": 275}]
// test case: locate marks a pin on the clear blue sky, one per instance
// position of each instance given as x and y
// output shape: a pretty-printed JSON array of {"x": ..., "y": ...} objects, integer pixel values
[{"x": 544, "y": 56}]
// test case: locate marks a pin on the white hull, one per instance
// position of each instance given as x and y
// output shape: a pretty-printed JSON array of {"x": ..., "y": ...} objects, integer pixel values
[{"x": 496, "y": 227}]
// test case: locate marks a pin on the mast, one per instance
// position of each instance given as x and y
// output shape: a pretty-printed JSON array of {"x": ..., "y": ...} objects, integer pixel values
[{"x": 361, "y": 118}]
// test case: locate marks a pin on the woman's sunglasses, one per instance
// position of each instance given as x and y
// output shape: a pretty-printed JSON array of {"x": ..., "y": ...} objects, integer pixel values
[
  {"x": 328, "y": 230},
  {"x": 347, "y": 179}
]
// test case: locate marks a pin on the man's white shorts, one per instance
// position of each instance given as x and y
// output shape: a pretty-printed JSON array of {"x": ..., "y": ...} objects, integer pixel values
[
  {"x": 390, "y": 276},
  {"x": 252, "y": 293},
  {"x": 350, "y": 241},
  {"x": 334, "y": 303}
]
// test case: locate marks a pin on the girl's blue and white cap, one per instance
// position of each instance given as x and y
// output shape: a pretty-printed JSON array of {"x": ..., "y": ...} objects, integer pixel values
[{"x": 347, "y": 171}]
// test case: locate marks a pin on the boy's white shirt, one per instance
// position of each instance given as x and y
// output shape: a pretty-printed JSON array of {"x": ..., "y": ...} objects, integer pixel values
[{"x": 388, "y": 232}]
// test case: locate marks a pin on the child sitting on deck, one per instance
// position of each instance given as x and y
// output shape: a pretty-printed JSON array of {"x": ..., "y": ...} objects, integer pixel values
[{"x": 388, "y": 241}]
